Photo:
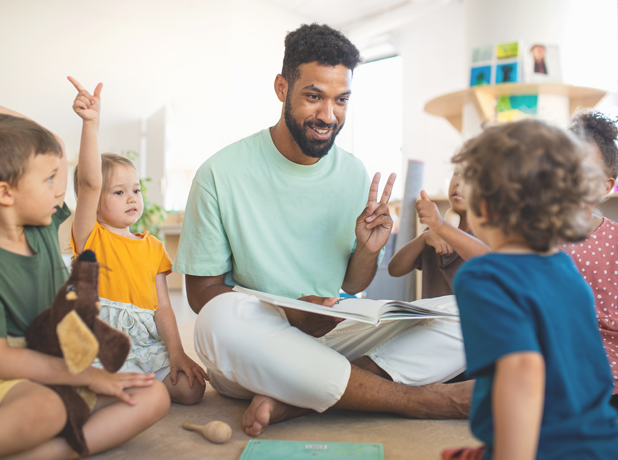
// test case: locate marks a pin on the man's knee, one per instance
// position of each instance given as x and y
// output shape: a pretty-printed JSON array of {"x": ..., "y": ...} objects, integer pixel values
[{"x": 225, "y": 324}]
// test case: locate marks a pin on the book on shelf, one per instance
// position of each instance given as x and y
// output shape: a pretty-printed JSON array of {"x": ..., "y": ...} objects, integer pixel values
[{"x": 367, "y": 310}]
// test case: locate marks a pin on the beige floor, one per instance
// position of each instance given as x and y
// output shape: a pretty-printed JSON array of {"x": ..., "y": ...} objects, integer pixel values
[{"x": 402, "y": 439}]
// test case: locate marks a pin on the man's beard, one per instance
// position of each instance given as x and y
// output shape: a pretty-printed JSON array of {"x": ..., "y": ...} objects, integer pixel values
[{"x": 313, "y": 148}]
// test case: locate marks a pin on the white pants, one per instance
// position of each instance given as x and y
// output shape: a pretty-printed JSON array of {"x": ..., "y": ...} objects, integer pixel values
[{"x": 250, "y": 348}]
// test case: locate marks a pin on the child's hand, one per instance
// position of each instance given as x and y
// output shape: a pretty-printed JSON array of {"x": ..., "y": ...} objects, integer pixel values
[
  {"x": 86, "y": 106},
  {"x": 104, "y": 383},
  {"x": 428, "y": 213},
  {"x": 192, "y": 370},
  {"x": 441, "y": 246}
]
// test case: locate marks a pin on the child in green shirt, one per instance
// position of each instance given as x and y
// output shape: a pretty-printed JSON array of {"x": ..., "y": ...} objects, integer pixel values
[{"x": 33, "y": 176}]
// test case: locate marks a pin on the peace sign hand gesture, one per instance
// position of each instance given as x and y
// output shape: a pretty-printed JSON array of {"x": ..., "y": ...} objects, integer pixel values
[
  {"x": 86, "y": 106},
  {"x": 373, "y": 226}
]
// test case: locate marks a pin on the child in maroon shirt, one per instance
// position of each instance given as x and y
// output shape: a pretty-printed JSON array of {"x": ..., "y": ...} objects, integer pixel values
[{"x": 597, "y": 256}]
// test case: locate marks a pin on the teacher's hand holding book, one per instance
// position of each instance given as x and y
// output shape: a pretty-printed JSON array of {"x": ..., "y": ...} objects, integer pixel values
[{"x": 313, "y": 324}]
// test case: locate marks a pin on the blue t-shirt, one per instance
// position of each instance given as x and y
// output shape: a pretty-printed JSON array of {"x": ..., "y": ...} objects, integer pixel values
[{"x": 527, "y": 302}]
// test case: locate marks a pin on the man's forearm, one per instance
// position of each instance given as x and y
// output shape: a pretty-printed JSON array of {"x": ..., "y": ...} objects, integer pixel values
[
  {"x": 361, "y": 271},
  {"x": 200, "y": 292}
]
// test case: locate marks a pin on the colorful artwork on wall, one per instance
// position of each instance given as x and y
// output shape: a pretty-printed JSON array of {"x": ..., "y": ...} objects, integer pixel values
[
  {"x": 507, "y": 73},
  {"x": 480, "y": 75},
  {"x": 515, "y": 108}
]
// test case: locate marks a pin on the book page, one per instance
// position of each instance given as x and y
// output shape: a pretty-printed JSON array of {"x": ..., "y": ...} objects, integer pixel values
[{"x": 364, "y": 310}]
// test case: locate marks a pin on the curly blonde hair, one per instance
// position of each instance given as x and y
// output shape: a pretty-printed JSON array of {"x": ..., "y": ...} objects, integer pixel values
[{"x": 535, "y": 180}]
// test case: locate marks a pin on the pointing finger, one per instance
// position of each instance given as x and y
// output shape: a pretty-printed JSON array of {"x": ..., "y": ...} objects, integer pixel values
[
  {"x": 97, "y": 91},
  {"x": 424, "y": 196},
  {"x": 77, "y": 84},
  {"x": 388, "y": 188}
]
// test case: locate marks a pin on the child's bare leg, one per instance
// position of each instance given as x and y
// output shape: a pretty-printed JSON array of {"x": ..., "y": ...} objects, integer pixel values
[
  {"x": 30, "y": 414},
  {"x": 181, "y": 393},
  {"x": 113, "y": 423}
]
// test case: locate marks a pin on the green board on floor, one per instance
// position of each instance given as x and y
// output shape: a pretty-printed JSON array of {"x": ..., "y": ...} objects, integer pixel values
[{"x": 295, "y": 450}]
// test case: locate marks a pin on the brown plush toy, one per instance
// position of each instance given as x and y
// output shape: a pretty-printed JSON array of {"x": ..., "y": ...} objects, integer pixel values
[{"x": 71, "y": 329}]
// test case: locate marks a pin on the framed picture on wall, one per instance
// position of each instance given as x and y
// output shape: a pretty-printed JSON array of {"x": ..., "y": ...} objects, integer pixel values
[
  {"x": 507, "y": 72},
  {"x": 542, "y": 64},
  {"x": 481, "y": 66},
  {"x": 480, "y": 75},
  {"x": 508, "y": 62}
]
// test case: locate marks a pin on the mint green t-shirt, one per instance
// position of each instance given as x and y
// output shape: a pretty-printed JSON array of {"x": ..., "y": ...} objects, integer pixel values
[
  {"x": 28, "y": 284},
  {"x": 274, "y": 225}
]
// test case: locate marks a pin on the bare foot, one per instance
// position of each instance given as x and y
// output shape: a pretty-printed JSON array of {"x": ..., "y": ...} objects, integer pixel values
[{"x": 264, "y": 410}]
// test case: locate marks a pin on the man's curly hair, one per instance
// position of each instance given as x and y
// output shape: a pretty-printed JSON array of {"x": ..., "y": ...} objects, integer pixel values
[
  {"x": 597, "y": 128},
  {"x": 535, "y": 179},
  {"x": 317, "y": 43}
]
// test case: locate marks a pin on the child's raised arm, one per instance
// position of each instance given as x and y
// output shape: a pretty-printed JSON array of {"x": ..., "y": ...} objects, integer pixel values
[
  {"x": 89, "y": 179},
  {"x": 517, "y": 400},
  {"x": 466, "y": 245}
]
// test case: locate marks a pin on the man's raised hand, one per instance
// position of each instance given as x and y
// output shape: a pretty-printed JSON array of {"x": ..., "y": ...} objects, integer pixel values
[
  {"x": 374, "y": 225},
  {"x": 87, "y": 106}
]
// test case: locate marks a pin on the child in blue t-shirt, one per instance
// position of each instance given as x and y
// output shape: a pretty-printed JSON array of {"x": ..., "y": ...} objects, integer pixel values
[{"x": 543, "y": 382}]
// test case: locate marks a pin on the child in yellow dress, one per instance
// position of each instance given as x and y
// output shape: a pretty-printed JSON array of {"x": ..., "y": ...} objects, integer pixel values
[{"x": 133, "y": 291}]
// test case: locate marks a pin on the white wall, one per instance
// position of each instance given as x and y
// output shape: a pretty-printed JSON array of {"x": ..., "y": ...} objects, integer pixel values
[
  {"x": 586, "y": 32},
  {"x": 436, "y": 53},
  {"x": 212, "y": 62},
  {"x": 433, "y": 64}
]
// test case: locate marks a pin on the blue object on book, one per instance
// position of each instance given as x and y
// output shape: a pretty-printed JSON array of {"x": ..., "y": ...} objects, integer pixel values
[{"x": 295, "y": 450}]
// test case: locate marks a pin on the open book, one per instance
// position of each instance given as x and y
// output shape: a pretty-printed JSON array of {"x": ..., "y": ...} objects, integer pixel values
[{"x": 367, "y": 310}]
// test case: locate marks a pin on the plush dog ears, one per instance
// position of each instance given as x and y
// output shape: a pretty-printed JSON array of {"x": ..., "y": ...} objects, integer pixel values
[{"x": 78, "y": 344}]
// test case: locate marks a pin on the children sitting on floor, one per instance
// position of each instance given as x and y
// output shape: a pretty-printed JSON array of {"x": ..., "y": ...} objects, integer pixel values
[
  {"x": 133, "y": 292},
  {"x": 543, "y": 384},
  {"x": 442, "y": 248},
  {"x": 596, "y": 256},
  {"x": 33, "y": 176}
]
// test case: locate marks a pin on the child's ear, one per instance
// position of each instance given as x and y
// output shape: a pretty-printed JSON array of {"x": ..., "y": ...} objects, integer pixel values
[
  {"x": 6, "y": 194},
  {"x": 609, "y": 183},
  {"x": 483, "y": 208}
]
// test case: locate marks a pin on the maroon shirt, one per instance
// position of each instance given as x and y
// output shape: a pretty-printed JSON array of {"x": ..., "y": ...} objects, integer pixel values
[{"x": 438, "y": 271}]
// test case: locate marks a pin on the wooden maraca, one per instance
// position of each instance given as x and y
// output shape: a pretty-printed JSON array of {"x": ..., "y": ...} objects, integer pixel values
[
  {"x": 217, "y": 432},
  {"x": 452, "y": 217}
]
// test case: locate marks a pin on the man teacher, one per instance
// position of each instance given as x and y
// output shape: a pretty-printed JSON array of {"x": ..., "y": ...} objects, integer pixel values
[{"x": 286, "y": 211}]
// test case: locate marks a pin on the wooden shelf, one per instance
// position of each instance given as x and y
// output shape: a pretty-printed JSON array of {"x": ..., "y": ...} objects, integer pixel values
[{"x": 450, "y": 106}]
